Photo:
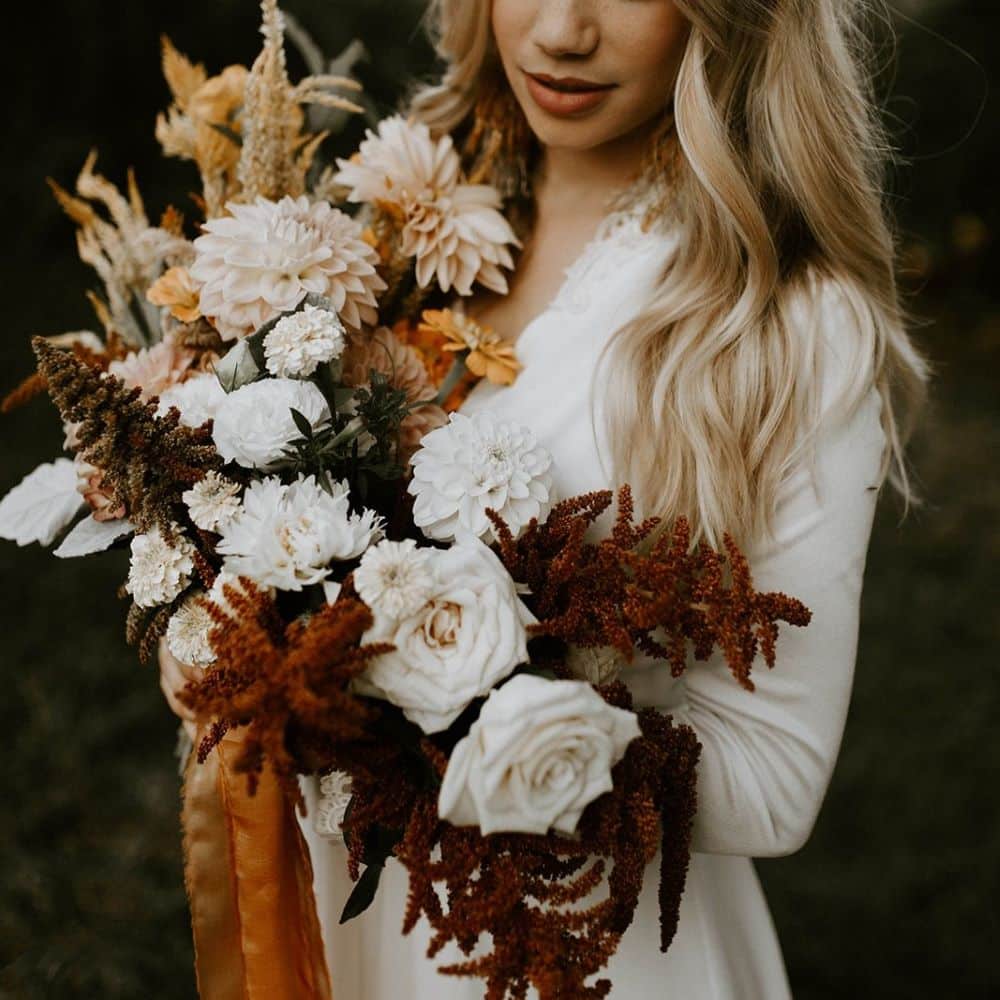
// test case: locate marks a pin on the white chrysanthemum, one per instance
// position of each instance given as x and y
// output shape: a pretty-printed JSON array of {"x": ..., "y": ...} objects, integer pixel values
[
  {"x": 264, "y": 258},
  {"x": 287, "y": 536},
  {"x": 394, "y": 578},
  {"x": 254, "y": 424},
  {"x": 213, "y": 501},
  {"x": 455, "y": 230},
  {"x": 159, "y": 571},
  {"x": 476, "y": 462},
  {"x": 300, "y": 343},
  {"x": 187, "y": 633},
  {"x": 198, "y": 399}
]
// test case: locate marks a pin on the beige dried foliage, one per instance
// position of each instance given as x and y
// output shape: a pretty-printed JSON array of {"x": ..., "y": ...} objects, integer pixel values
[{"x": 182, "y": 76}]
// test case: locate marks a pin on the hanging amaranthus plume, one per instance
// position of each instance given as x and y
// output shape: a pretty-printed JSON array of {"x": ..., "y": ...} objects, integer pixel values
[
  {"x": 287, "y": 682},
  {"x": 613, "y": 594},
  {"x": 275, "y": 157},
  {"x": 520, "y": 887},
  {"x": 147, "y": 461}
]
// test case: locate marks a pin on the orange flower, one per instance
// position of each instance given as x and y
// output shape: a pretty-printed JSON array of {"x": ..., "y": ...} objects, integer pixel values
[
  {"x": 488, "y": 355},
  {"x": 175, "y": 289}
]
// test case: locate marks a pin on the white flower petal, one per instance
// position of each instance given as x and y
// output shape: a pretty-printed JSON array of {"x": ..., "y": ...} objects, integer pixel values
[{"x": 41, "y": 505}]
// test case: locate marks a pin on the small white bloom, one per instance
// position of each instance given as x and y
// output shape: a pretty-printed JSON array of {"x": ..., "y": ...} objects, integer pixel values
[
  {"x": 213, "y": 501},
  {"x": 334, "y": 796},
  {"x": 198, "y": 399},
  {"x": 539, "y": 752},
  {"x": 394, "y": 578},
  {"x": 287, "y": 536},
  {"x": 454, "y": 230},
  {"x": 254, "y": 424},
  {"x": 159, "y": 571},
  {"x": 300, "y": 343},
  {"x": 188, "y": 631},
  {"x": 473, "y": 463},
  {"x": 469, "y": 634}
]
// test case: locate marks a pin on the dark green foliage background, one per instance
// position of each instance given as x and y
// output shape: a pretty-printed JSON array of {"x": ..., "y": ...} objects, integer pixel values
[{"x": 894, "y": 895}]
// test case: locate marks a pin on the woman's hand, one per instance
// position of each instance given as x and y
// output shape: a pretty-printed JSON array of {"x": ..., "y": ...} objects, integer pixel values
[{"x": 173, "y": 676}]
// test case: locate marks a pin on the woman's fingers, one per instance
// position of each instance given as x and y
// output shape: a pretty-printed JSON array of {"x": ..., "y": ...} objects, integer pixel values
[{"x": 173, "y": 676}]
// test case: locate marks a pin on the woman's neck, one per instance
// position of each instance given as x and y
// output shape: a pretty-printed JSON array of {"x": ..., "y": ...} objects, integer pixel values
[{"x": 584, "y": 179}]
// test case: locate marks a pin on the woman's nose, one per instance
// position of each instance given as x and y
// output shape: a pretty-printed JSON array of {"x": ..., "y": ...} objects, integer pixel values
[{"x": 566, "y": 27}]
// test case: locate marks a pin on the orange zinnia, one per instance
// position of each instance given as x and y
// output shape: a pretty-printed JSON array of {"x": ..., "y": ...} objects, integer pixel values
[{"x": 488, "y": 355}]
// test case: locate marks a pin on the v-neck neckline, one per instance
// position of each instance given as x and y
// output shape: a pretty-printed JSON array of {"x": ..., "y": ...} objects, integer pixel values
[{"x": 610, "y": 224}]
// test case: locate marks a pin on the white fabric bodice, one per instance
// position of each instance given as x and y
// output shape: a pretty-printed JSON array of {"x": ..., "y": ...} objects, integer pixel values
[{"x": 767, "y": 755}]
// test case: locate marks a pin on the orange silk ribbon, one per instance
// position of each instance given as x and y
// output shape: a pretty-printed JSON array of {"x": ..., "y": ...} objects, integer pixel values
[{"x": 249, "y": 884}]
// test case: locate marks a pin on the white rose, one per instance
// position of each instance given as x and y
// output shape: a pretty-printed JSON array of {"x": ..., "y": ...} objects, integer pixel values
[
  {"x": 254, "y": 424},
  {"x": 469, "y": 634},
  {"x": 539, "y": 752}
]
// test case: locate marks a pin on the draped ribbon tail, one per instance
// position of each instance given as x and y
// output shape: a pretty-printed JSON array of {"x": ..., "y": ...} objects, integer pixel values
[{"x": 249, "y": 879}]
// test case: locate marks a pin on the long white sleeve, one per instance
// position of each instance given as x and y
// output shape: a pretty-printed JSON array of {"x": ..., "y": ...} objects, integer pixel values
[{"x": 768, "y": 755}]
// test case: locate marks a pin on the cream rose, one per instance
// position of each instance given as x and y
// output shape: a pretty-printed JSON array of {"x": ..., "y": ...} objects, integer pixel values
[
  {"x": 539, "y": 752},
  {"x": 467, "y": 635}
]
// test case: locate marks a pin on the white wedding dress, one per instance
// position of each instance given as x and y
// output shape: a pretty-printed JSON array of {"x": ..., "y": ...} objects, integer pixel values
[{"x": 767, "y": 756}]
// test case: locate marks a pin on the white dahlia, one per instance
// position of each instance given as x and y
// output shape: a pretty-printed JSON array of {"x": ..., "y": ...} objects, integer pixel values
[
  {"x": 455, "y": 230},
  {"x": 473, "y": 463},
  {"x": 286, "y": 536},
  {"x": 264, "y": 258},
  {"x": 188, "y": 630},
  {"x": 300, "y": 343},
  {"x": 254, "y": 424},
  {"x": 213, "y": 501},
  {"x": 395, "y": 578},
  {"x": 198, "y": 399},
  {"x": 159, "y": 571}
]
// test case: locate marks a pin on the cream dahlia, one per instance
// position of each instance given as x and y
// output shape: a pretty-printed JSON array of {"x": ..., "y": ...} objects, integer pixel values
[
  {"x": 455, "y": 230},
  {"x": 301, "y": 342},
  {"x": 473, "y": 463},
  {"x": 154, "y": 369},
  {"x": 159, "y": 571},
  {"x": 263, "y": 259}
]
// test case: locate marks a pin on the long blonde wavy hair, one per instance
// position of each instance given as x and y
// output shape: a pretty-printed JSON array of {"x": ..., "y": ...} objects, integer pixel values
[{"x": 781, "y": 156}]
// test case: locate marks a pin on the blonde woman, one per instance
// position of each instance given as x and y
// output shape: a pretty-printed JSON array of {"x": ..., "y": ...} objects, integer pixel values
[{"x": 705, "y": 307}]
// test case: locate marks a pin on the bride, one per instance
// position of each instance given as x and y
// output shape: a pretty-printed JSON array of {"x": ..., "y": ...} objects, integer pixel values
[{"x": 705, "y": 307}]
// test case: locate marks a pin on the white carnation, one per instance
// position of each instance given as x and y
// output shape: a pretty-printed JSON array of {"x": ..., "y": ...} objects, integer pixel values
[
  {"x": 159, "y": 571},
  {"x": 188, "y": 631},
  {"x": 213, "y": 501},
  {"x": 198, "y": 399},
  {"x": 286, "y": 536},
  {"x": 300, "y": 343},
  {"x": 470, "y": 633},
  {"x": 254, "y": 424},
  {"x": 473, "y": 463},
  {"x": 263, "y": 259},
  {"x": 539, "y": 752},
  {"x": 394, "y": 578}
]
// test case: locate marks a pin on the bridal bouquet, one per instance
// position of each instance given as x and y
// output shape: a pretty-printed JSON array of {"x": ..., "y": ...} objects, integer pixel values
[{"x": 382, "y": 590}]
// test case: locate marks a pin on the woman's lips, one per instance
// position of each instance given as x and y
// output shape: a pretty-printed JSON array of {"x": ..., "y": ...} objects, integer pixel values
[{"x": 566, "y": 96}]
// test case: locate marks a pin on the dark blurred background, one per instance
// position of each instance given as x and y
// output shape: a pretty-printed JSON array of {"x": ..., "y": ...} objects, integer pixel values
[{"x": 894, "y": 895}]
